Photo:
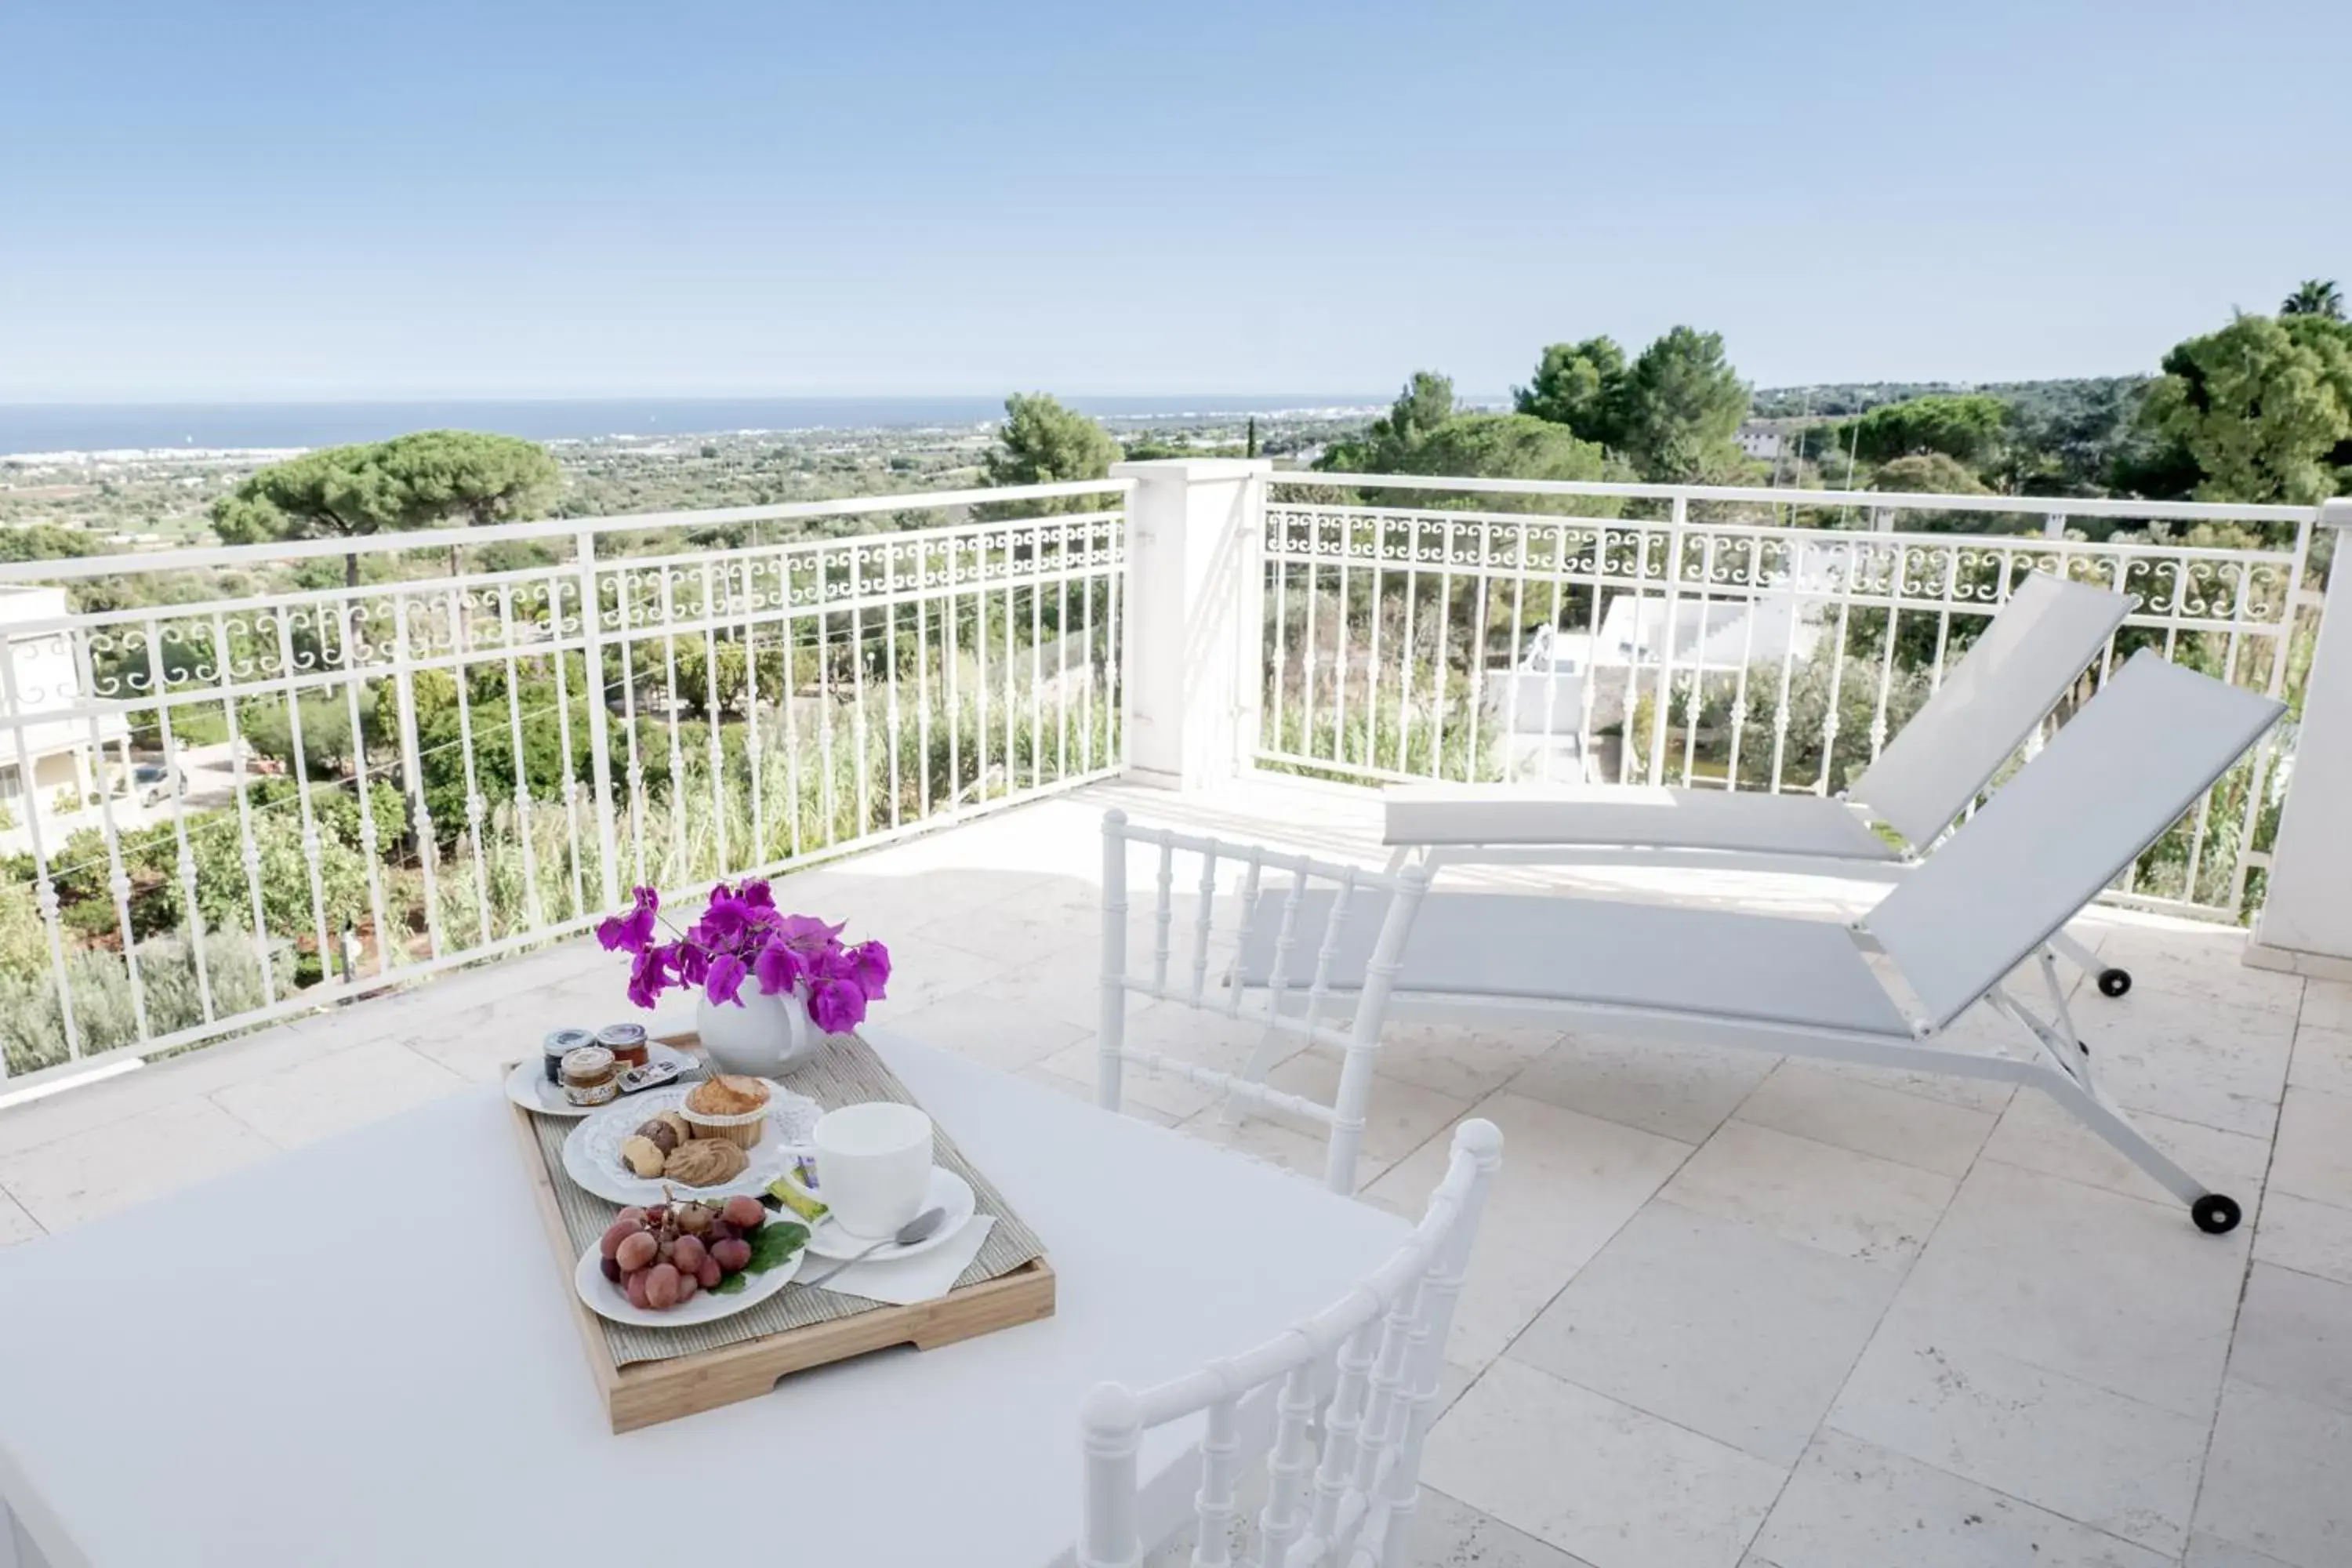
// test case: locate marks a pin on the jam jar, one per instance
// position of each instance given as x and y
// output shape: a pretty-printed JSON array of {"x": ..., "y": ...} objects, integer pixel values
[{"x": 591, "y": 1076}]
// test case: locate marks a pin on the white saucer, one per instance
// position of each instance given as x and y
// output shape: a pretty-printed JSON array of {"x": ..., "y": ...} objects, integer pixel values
[
  {"x": 528, "y": 1087},
  {"x": 948, "y": 1191},
  {"x": 606, "y": 1300}
]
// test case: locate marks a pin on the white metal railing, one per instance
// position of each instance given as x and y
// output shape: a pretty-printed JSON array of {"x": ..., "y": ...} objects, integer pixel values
[
  {"x": 275, "y": 796},
  {"x": 1736, "y": 638}
]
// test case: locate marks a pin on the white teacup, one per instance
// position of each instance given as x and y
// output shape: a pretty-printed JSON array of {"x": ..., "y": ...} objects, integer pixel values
[{"x": 873, "y": 1166}]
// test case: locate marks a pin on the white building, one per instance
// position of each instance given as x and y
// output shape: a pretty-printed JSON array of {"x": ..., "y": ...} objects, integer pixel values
[{"x": 60, "y": 750}]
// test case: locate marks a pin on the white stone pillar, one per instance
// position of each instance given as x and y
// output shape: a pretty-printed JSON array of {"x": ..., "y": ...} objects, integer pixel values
[
  {"x": 1193, "y": 647},
  {"x": 2307, "y": 920}
]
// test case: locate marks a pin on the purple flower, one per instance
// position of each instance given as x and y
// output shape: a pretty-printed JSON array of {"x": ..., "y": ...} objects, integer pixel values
[
  {"x": 777, "y": 967},
  {"x": 630, "y": 933},
  {"x": 648, "y": 977},
  {"x": 742, "y": 936},
  {"x": 806, "y": 934},
  {"x": 725, "y": 979},
  {"x": 870, "y": 968},
  {"x": 835, "y": 1006}
]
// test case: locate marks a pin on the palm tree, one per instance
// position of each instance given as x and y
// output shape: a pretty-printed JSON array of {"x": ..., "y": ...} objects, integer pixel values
[{"x": 2315, "y": 297}]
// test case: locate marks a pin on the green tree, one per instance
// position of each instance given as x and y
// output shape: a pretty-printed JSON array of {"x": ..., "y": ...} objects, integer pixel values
[
  {"x": 1388, "y": 442},
  {"x": 1682, "y": 406},
  {"x": 1581, "y": 386},
  {"x": 1043, "y": 443},
  {"x": 2264, "y": 407},
  {"x": 333, "y": 492},
  {"x": 464, "y": 476},
  {"x": 1932, "y": 473},
  {"x": 422, "y": 480},
  {"x": 1503, "y": 446},
  {"x": 2315, "y": 297},
  {"x": 1968, "y": 429}
]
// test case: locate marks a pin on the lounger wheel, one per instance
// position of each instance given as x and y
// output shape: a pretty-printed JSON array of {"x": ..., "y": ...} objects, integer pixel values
[
  {"x": 2214, "y": 1214},
  {"x": 2113, "y": 982}
]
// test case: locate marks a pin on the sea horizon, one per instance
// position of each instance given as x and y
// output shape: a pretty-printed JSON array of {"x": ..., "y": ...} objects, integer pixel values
[{"x": 28, "y": 430}]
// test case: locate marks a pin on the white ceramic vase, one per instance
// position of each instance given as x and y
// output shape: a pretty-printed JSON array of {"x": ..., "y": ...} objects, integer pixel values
[{"x": 767, "y": 1036}]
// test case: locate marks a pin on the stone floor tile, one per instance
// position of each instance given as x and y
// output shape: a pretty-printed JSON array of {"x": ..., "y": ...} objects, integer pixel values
[
  {"x": 316, "y": 1099},
  {"x": 2295, "y": 1336},
  {"x": 1803, "y": 1099},
  {"x": 1447, "y": 1532},
  {"x": 2314, "y": 1158},
  {"x": 2124, "y": 1294},
  {"x": 2090, "y": 1455},
  {"x": 2275, "y": 1480},
  {"x": 1849, "y": 1204},
  {"x": 2212, "y": 1551},
  {"x": 1567, "y": 1184},
  {"x": 1065, "y": 985},
  {"x": 1468, "y": 1061},
  {"x": 1853, "y": 1504},
  {"x": 2322, "y": 1060},
  {"x": 2037, "y": 1133},
  {"x": 1714, "y": 1325},
  {"x": 1161, "y": 1094},
  {"x": 90, "y": 1173},
  {"x": 926, "y": 970},
  {"x": 1295, "y": 1146},
  {"x": 1595, "y": 1477},
  {"x": 2162, "y": 983},
  {"x": 170, "y": 1081},
  {"x": 978, "y": 1026},
  {"x": 1398, "y": 1118},
  {"x": 2306, "y": 1236},
  {"x": 1683, "y": 1093},
  {"x": 1010, "y": 936},
  {"x": 2327, "y": 1004},
  {"x": 1977, "y": 1030},
  {"x": 15, "y": 1225},
  {"x": 2210, "y": 1064}
]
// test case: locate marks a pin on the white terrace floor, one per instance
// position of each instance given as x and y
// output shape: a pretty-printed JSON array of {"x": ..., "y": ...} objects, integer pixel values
[{"x": 1726, "y": 1309}]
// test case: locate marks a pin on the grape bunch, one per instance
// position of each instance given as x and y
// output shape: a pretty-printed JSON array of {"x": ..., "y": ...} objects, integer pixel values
[{"x": 664, "y": 1255}]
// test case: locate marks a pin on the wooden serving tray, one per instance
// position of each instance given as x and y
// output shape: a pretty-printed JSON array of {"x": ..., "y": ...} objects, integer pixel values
[{"x": 646, "y": 1393}]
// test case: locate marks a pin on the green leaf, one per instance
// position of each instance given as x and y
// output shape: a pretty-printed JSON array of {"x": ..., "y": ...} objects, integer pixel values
[
  {"x": 730, "y": 1286},
  {"x": 773, "y": 1245}
]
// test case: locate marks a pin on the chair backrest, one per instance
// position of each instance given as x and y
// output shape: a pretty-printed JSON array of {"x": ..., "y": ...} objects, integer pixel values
[
  {"x": 1351, "y": 1501},
  {"x": 2117, "y": 774},
  {"x": 1987, "y": 705},
  {"x": 1296, "y": 1000}
]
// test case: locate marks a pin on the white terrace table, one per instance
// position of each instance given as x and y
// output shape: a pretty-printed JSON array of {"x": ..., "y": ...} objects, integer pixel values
[{"x": 361, "y": 1353}]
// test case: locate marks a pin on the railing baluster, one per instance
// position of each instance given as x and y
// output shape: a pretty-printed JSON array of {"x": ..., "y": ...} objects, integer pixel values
[
  {"x": 534, "y": 916},
  {"x": 370, "y": 851}
]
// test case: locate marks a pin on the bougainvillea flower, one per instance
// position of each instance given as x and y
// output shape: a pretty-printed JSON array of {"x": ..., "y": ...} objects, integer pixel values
[
  {"x": 631, "y": 931},
  {"x": 725, "y": 979}
]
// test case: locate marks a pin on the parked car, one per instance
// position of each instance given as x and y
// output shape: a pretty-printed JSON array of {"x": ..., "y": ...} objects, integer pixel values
[{"x": 157, "y": 783}]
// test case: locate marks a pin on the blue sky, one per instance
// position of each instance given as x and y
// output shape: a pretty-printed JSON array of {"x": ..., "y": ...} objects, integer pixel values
[{"x": 213, "y": 200}]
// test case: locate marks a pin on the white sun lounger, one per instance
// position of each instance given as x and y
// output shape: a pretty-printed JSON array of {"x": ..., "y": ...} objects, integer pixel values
[
  {"x": 1883, "y": 991},
  {"x": 1927, "y": 775}
]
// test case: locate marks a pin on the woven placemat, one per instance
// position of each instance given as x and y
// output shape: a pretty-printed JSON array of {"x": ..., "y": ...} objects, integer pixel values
[{"x": 844, "y": 1072}]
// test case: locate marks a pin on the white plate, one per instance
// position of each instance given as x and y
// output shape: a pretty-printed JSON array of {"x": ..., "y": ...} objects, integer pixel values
[
  {"x": 948, "y": 1191},
  {"x": 528, "y": 1087},
  {"x": 591, "y": 1154},
  {"x": 606, "y": 1300}
]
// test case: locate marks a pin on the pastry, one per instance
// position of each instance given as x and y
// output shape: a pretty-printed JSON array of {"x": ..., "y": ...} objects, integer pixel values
[
  {"x": 706, "y": 1162},
  {"x": 727, "y": 1095},
  {"x": 643, "y": 1156},
  {"x": 663, "y": 1133},
  {"x": 728, "y": 1108}
]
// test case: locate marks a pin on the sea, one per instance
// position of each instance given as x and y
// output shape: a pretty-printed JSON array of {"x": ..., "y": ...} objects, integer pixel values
[{"x": 29, "y": 428}]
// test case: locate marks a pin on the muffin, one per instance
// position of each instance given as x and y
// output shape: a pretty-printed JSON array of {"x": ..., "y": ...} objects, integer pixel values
[{"x": 729, "y": 1107}]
